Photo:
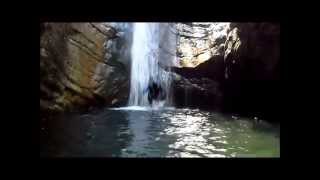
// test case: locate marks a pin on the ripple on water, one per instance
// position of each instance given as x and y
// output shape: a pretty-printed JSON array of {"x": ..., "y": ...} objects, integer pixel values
[{"x": 143, "y": 132}]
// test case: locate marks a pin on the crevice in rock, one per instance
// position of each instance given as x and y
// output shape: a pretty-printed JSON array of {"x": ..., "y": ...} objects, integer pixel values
[
  {"x": 84, "y": 36},
  {"x": 111, "y": 35}
]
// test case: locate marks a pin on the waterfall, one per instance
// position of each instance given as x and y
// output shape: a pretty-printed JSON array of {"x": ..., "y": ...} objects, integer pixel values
[{"x": 145, "y": 56}]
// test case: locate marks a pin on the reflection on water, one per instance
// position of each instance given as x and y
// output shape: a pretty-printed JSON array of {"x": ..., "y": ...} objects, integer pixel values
[
  {"x": 138, "y": 132},
  {"x": 193, "y": 133}
]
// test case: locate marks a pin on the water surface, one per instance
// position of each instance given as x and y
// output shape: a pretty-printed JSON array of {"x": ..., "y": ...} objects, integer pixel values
[{"x": 143, "y": 132}]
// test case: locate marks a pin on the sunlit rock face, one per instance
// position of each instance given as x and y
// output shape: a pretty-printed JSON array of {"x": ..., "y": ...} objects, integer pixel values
[
  {"x": 199, "y": 42},
  {"x": 200, "y": 51},
  {"x": 76, "y": 67}
]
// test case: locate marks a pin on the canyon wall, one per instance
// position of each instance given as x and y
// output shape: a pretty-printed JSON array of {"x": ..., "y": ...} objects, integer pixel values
[
  {"x": 227, "y": 66},
  {"x": 252, "y": 69},
  {"x": 232, "y": 67},
  {"x": 77, "y": 68},
  {"x": 200, "y": 67}
]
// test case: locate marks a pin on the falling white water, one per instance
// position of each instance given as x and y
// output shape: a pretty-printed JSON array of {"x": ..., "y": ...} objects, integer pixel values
[{"x": 145, "y": 55}]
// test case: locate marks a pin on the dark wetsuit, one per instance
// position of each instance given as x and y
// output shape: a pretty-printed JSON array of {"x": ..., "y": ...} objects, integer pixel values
[{"x": 155, "y": 92}]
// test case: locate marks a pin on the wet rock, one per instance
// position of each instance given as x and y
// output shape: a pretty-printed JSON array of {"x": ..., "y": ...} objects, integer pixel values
[
  {"x": 252, "y": 56},
  {"x": 75, "y": 66},
  {"x": 252, "y": 51},
  {"x": 196, "y": 92},
  {"x": 242, "y": 59}
]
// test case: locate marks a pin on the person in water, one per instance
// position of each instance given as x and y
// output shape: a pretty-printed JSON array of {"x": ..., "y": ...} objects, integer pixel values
[{"x": 155, "y": 92}]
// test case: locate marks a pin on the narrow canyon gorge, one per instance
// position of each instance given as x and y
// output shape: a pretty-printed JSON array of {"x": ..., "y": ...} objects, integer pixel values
[{"x": 213, "y": 69}]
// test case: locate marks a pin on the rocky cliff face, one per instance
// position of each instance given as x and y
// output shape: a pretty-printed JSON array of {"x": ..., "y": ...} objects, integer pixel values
[
  {"x": 200, "y": 42},
  {"x": 252, "y": 79},
  {"x": 252, "y": 51},
  {"x": 76, "y": 66},
  {"x": 229, "y": 65},
  {"x": 200, "y": 52},
  {"x": 240, "y": 59}
]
